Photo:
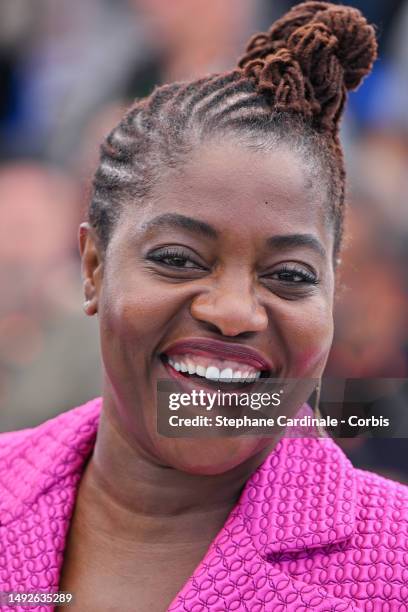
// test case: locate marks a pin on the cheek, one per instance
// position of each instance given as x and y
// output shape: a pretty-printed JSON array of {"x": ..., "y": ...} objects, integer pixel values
[
  {"x": 129, "y": 321},
  {"x": 307, "y": 332},
  {"x": 133, "y": 316}
]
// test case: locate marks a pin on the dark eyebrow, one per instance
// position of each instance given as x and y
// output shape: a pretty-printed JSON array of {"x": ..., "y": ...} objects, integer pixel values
[
  {"x": 169, "y": 220},
  {"x": 296, "y": 240}
]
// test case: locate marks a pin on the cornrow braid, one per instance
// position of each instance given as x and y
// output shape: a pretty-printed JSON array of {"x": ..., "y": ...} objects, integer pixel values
[{"x": 291, "y": 85}]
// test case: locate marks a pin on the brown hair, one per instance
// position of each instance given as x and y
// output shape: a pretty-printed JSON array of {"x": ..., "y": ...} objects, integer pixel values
[{"x": 291, "y": 85}]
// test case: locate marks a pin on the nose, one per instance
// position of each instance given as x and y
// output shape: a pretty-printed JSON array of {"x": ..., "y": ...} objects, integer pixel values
[{"x": 232, "y": 308}]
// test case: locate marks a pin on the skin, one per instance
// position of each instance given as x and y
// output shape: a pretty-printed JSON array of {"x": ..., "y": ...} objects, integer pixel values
[{"x": 145, "y": 499}]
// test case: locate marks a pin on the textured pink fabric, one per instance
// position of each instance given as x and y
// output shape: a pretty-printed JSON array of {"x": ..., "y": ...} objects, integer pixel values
[{"x": 310, "y": 532}]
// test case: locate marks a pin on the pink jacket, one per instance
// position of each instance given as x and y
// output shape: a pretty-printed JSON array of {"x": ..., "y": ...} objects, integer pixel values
[{"x": 310, "y": 532}]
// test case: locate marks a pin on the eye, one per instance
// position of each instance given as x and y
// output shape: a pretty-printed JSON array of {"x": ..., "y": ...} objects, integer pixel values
[
  {"x": 295, "y": 274},
  {"x": 175, "y": 257},
  {"x": 291, "y": 281}
]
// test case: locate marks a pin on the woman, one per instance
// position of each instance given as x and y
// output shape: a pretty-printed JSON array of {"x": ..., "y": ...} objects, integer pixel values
[{"x": 212, "y": 242}]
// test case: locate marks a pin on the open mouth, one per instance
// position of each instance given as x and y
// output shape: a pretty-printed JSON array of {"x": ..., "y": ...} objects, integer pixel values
[{"x": 213, "y": 370}]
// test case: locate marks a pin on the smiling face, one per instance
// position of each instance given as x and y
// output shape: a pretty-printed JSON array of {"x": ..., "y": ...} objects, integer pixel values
[{"x": 227, "y": 266}]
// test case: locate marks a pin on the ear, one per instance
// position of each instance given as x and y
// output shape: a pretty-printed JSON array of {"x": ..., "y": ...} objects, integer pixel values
[{"x": 92, "y": 267}]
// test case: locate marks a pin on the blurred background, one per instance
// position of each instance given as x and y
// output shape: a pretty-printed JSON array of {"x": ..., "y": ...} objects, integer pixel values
[{"x": 68, "y": 69}]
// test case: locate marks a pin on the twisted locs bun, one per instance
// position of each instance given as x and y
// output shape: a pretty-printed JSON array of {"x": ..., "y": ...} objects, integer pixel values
[{"x": 309, "y": 58}]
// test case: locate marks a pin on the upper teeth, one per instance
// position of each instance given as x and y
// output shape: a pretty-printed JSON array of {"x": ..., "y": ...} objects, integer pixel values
[{"x": 239, "y": 372}]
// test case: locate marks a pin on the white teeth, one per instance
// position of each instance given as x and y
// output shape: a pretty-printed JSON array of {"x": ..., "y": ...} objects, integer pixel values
[
  {"x": 191, "y": 368},
  {"x": 212, "y": 373},
  {"x": 226, "y": 374}
]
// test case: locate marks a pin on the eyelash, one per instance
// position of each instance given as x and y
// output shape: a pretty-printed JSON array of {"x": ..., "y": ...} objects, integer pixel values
[
  {"x": 168, "y": 253},
  {"x": 307, "y": 277},
  {"x": 173, "y": 253}
]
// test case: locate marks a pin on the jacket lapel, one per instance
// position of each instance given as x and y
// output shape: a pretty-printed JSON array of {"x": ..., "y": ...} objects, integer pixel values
[{"x": 302, "y": 498}]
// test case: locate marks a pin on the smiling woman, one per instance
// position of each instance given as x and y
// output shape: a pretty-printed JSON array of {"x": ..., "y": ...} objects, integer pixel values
[{"x": 210, "y": 253}]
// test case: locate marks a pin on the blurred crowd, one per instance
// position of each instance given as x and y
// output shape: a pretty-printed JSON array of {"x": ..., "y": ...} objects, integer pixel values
[{"x": 67, "y": 71}]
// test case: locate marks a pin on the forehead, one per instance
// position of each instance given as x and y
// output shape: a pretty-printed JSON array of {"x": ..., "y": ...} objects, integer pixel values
[{"x": 243, "y": 191}]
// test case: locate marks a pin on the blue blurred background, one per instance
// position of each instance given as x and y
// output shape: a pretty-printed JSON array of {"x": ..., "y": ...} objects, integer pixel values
[{"x": 68, "y": 69}]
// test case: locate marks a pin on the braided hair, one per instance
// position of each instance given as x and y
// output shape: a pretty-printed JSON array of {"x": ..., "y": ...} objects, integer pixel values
[{"x": 290, "y": 86}]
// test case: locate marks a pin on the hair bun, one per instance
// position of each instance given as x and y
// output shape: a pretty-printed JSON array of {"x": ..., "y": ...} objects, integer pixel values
[
  {"x": 326, "y": 49},
  {"x": 356, "y": 45}
]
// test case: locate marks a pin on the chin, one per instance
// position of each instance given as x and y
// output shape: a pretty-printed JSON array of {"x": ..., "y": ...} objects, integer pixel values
[{"x": 209, "y": 457}]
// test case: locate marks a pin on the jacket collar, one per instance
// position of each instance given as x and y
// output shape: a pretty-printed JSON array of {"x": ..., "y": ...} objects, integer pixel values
[{"x": 303, "y": 496}]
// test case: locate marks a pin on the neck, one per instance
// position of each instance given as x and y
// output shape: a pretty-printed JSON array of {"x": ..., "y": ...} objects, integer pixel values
[{"x": 129, "y": 494}]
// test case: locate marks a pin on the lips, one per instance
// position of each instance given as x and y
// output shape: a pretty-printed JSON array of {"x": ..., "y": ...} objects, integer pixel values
[{"x": 220, "y": 351}]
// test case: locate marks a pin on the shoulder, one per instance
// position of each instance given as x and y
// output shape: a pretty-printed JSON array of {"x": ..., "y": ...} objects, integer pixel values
[
  {"x": 71, "y": 420},
  {"x": 375, "y": 559},
  {"x": 33, "y": 460},
  {"x": 374, "y": 488},
  {"x": 382, "y": 509}
]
